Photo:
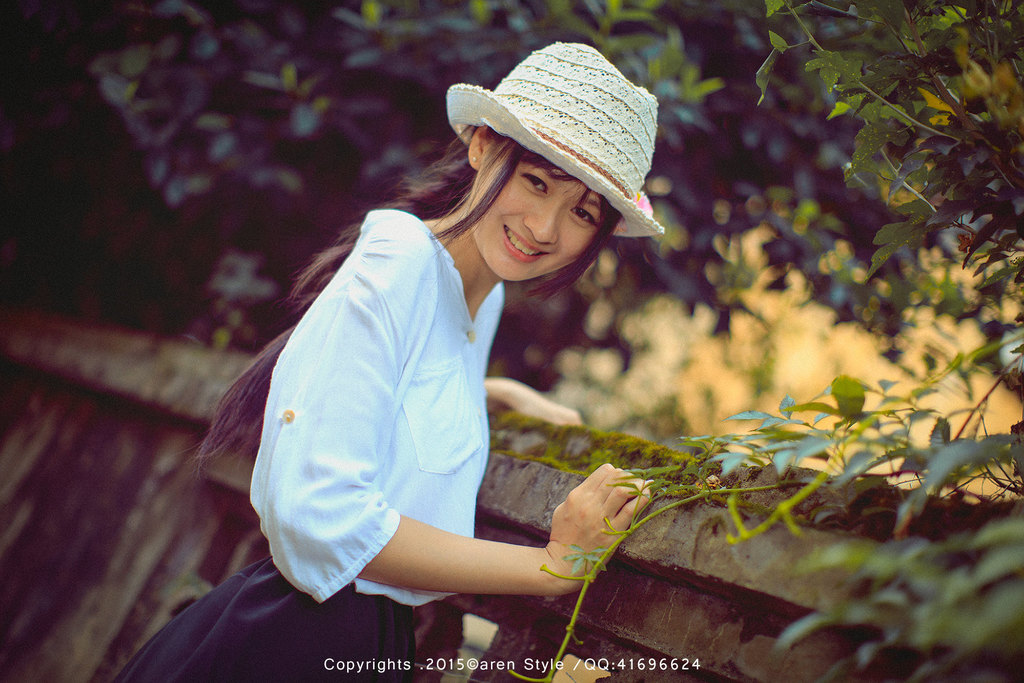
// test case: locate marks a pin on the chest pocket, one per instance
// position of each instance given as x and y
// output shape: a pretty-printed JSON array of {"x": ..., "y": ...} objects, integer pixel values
[{"x": 443, "y": 418}]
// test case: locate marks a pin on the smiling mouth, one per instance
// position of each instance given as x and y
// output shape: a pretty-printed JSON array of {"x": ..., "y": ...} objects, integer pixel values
[{"x": 519, "y": 244}]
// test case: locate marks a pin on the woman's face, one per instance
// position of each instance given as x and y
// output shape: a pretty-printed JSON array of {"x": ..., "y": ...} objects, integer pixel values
[{"x": 542, "y": 220}]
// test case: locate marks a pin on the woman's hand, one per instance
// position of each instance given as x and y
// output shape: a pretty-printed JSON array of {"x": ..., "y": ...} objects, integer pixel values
[
  {"x": 528, "y": 401},
  {"x": 583, "y": 519}
]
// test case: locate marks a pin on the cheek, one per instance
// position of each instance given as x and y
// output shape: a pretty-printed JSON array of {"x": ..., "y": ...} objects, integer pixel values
[{"x": 578, "y": 242}]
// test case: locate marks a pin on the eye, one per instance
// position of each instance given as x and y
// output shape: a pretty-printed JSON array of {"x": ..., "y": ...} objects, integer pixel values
[
  {"x": 535, "y": 181},
  {"x": 585, "y": 215}
]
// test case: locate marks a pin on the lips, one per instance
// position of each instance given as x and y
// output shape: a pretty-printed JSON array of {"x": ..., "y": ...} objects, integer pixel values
[{"x": 519, "y": 249}]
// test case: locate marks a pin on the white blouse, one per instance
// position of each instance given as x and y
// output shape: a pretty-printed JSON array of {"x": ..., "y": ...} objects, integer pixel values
[{"x": 376, "y": 409}]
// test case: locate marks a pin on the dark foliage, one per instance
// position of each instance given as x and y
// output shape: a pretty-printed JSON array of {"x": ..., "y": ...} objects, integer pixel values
[{"x": 170, "y": 167}]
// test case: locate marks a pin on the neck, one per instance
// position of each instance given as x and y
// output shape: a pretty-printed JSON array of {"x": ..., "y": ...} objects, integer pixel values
[{"x": 477, "y": 278}]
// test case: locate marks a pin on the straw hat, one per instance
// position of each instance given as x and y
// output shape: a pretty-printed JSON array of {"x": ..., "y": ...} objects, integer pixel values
[{"x": 568, "y": 103}]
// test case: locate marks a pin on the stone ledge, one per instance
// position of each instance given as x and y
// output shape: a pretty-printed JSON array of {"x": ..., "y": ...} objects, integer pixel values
[
  {"x": 182, "y": 378},
  {"x": 687, "y": 545},
  {"x": 186, "y": 380}
]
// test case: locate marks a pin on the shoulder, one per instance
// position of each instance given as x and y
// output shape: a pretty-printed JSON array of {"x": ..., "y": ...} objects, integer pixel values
[
  {"x": 386, "y": 283},
  {"x": 397, "y": 266},
  {"x": 394, "y": 253},
  {"x": 398, "y": 234}
]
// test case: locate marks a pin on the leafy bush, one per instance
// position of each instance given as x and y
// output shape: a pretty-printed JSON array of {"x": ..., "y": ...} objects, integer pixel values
[
  {"x": 958, "y": 603},
  {"x": 938, "y": 89}
]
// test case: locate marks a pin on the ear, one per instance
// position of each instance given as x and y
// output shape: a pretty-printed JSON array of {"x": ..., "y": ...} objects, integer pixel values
[{"x": 480, "y": 146}]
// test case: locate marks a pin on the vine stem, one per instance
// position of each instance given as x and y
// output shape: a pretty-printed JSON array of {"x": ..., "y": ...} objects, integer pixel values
[
  {"x": 977, "y": 406},
  {"x": 904, "y": 183},
  {"x": 592, "y": 573},
  {"x": 782, "y": 511}
]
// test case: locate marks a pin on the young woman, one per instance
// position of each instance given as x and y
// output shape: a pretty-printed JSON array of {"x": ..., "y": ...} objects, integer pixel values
[{"x": 374, "y": 428}]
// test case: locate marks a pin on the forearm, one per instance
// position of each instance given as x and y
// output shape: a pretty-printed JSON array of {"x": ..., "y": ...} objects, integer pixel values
[
  {"x": 423, "y": 557},
  {"x": 504, "y": 392}
]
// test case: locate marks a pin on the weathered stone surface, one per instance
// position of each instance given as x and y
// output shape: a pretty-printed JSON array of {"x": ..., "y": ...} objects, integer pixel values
[
  {"x": 658, "y": 608},
  {"x": 179, "y": 377},
  {"x": 688, "y": 544}
]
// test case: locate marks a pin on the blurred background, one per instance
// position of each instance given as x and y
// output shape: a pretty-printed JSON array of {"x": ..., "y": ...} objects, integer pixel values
[{"x": 168, "y": 166}]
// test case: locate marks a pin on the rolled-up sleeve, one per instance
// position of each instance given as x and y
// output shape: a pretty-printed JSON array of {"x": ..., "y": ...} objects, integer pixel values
[{"x": 329, "y": 417}]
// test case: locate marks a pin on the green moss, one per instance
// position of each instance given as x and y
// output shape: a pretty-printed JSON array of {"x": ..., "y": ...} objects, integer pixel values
[{"x": 576, "y": 448}]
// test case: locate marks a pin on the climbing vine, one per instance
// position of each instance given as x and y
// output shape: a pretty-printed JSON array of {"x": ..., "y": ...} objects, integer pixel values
[
  {"x": 911, "y": 590},
  {"x": 663, "y": 484}
]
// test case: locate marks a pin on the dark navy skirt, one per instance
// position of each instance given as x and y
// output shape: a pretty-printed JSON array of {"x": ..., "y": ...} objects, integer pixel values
[{"x": 257, "y": 627}]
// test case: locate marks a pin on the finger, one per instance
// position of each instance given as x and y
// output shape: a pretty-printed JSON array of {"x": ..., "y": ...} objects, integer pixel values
[
  {"x": 628, "y": 495},
  {"x": 626, "y": 514},
  {"x": 624, "y": 486},
  {"x": 600, "y": 477}
]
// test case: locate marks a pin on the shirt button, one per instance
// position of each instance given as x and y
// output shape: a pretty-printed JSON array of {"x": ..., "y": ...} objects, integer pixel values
[
  {"x": 288, "y": 416},
  {"x": 471, "y": 336}
]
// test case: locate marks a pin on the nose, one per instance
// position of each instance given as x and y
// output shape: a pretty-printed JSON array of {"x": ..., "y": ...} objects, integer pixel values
[{"x": 542, "y": 223}]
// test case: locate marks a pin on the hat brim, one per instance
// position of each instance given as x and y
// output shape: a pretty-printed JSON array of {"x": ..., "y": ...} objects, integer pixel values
[{"x": 470, "y": 106}]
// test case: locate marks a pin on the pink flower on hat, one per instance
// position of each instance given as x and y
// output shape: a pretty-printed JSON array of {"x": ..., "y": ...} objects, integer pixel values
[{"x": 643, "y": 203}]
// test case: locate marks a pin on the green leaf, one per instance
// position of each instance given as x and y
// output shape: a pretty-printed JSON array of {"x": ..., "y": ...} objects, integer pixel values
[
  {"x": 999, "y": 532},
  {"x": 940, "y": 432},
  {"x": 750, "y": 415},
  {"x": 860, "y": 463},
  {"x": 997, "y": 224},
  {"x": 777, "y": 41},
  {"x": 135, "y": 59},
  {"x": 810, "y": 447},
  {"x": 834, "y": 67},
  {"x": 998, "y": 563},
  {"x": 1004, "y": 273},
  {"x": 776, "y": 421},
  {"x": 838, "y": 110},
  {"x": 372, "y": 13},
  {"x": 801, "y": 628},
  {"x": 730, "y": 461},
  {"x": 849, "y": 395},
  {"x": 813, "y": 405},
  {"x": 481, "y": 11},
  {"x": 950, "y": 459},
  {"x": 782, "y": 459},
  {"x": 764, "y": 73},
  {"x": 850, "y": 104},
  {"x": 773, "y": 6},
  {"x": 289, "y": 76},
  {"x": 890, "y": 11},
  {"x": 868, "y": 141},
  {"x": 892, "y": 237}
]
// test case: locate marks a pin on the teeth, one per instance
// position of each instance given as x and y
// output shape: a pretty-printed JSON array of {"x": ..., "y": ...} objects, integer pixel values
[{"x": 519, "y": 245}]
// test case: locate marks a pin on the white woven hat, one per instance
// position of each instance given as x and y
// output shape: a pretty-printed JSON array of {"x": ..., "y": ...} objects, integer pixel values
[{"x": 568, "y": 103}]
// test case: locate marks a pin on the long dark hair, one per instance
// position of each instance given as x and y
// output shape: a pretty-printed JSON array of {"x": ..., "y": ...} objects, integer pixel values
[{"x": 440, "y": 191}]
